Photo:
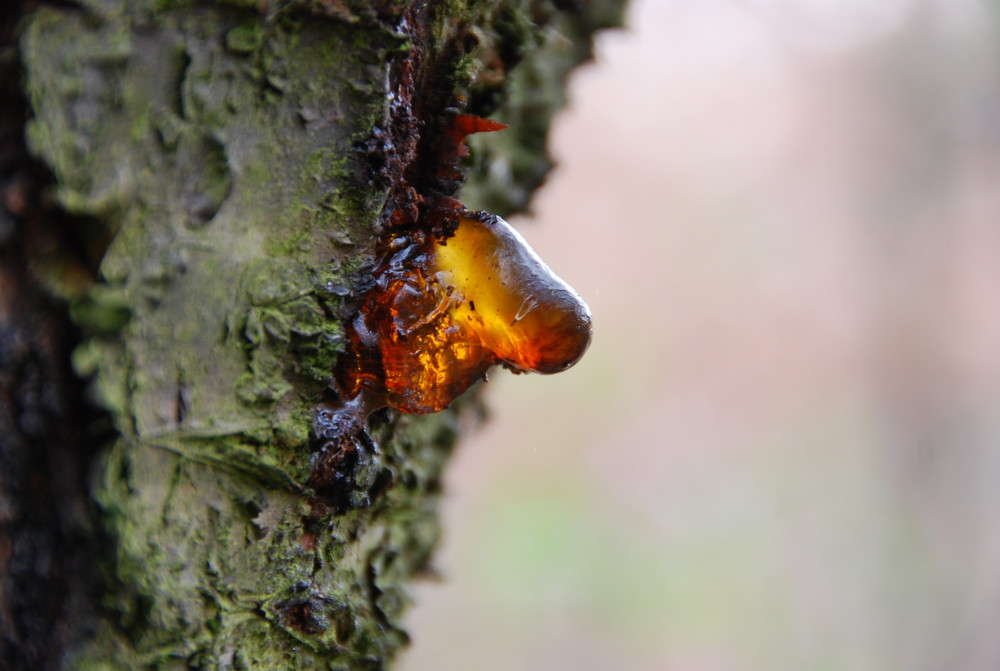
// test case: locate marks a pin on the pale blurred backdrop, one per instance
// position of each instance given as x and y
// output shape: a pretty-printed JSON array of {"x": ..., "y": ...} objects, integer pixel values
[{"x": 783, "y": 448}]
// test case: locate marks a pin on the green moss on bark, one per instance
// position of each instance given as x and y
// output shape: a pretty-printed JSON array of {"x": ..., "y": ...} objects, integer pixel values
[{"x": 222, "y": 147}]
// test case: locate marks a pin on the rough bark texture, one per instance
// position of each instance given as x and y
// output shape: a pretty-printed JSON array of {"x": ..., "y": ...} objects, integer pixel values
[{"x": 230, "y": 164}]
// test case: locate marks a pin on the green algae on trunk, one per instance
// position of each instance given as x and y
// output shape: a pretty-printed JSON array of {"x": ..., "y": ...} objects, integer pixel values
[{"x": 237, "y": 150}]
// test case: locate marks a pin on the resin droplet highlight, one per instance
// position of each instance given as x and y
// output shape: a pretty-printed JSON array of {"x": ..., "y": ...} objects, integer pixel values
[{"x": 445, "y": 308}]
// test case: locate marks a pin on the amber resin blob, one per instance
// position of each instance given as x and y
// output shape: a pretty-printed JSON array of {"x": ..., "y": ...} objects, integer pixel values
[{"x": 446, "y": 307}]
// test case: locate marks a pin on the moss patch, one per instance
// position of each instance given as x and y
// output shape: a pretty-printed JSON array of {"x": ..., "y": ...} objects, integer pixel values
[{"x": 237, "y": 156}]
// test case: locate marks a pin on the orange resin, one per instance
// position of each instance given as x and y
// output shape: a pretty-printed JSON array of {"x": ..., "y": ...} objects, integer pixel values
[{"x": 446, "y": 308}]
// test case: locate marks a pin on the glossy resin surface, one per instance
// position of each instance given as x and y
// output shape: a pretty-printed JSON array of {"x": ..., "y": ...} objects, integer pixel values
[{"x": 447, "y": 307}]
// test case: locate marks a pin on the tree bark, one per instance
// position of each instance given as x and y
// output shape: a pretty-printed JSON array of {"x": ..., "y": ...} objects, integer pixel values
[{"x": 226, "y": 168}]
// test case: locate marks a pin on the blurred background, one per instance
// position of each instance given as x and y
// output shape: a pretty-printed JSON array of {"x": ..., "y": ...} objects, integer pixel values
[{"x": 783, "y": 448}]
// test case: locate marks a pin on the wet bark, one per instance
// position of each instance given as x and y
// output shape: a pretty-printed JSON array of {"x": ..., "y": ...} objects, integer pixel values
[{"x": 191, "y": 195}]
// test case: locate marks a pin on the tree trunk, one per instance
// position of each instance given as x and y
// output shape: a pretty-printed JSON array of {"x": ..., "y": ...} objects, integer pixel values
[{"x": 220, "y": 172}]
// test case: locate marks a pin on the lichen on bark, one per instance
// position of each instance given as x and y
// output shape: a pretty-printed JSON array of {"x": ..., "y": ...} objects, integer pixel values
[{"x": 236, "y": 156}]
